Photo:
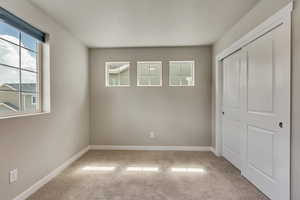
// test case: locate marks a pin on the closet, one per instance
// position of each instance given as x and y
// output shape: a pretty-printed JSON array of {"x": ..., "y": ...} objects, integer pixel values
[{"x": 256, "y": 112}]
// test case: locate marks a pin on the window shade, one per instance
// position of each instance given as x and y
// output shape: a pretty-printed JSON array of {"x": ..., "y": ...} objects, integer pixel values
[{"x": 20, "y": 24}]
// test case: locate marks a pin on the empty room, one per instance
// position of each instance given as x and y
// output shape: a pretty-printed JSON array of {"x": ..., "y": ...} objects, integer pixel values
[{"x": 149, "y": 100}]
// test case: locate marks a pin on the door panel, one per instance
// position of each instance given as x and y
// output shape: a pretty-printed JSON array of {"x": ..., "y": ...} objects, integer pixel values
[
  {"x": 231, "y": 135},
  {"x": 265, "y": 147},
  {"x": 260, "y": 142},
  {"x": 231, "y": 121},
  {"x": 231, "y": 90},
  {"x": 260, "y": 75}
]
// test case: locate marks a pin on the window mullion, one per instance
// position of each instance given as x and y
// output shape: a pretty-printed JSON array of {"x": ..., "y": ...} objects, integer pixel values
[
  {"x": 20, "y": 76},
  {"x": 180, "y": 71},
  {"x": 119, "y": 75},
  {"x": 149, "y": 82}
]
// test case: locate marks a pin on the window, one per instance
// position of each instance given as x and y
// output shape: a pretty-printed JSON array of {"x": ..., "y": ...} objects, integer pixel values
[
  {"x": 19, "y": 67},
  {"x": 181, "y": 73},
  {"x": 149, "y": 73},
  {"x": 117, "y": 74}
]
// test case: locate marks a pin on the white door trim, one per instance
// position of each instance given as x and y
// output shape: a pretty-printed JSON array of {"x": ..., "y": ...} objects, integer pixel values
[{"x": 281, "y": 17}]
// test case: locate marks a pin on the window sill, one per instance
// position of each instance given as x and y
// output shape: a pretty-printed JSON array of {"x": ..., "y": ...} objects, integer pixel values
[
  {"x": 149, "y": 85},
  {"x": 181, "y": 85},
  {"x": 23, "y": 115},
  {"x": 117, "y": 86}
]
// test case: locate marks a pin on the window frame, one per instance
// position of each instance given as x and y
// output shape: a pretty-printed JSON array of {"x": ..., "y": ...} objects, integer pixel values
[
  {"x": 107, "y": 76},
  {"x": 149, "y": 62},
  {"x": 39, "y": 79},
  {"x": 193, "y": 73}
]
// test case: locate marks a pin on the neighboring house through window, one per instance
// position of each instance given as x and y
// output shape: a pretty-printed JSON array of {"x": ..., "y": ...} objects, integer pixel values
[{"x": 33, "y": 100}]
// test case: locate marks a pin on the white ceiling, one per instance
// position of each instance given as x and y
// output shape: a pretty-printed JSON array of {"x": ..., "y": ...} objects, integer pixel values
[{"x": 128, "y": 23}]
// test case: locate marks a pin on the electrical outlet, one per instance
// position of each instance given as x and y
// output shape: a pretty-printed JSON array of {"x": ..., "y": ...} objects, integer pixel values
[
  {"x": 13, "y": 175},
  {"x": 152, "y": 134}
]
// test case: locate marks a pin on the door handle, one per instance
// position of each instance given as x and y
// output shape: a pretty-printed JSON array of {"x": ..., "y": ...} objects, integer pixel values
[
  {"x": 280, "y": 124},
  {"x": 223, "y": 113}
]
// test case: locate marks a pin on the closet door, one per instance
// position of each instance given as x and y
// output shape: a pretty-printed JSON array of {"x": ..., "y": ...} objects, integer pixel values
[
  {"x": 266, "y": 116},
  {"x": 231, "y": 120}
]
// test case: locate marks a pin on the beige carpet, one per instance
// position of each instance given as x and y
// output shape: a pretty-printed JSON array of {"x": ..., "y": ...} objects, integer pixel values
[{"x": 149, "y": 175}]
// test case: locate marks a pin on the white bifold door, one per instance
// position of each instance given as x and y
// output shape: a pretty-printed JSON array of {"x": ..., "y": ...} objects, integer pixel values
[
  {"x": 256, "y": 112},
  {"x": 232, "y": 106}
]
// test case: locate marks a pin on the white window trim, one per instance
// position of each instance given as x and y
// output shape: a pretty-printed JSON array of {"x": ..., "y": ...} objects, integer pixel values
[
  {"x": 147, "y": 62},
  {"x": 106, "y": 73},
  {"x": 193, "y": 73}
]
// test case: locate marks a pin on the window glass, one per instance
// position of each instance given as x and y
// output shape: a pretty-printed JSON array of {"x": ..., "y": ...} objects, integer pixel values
[
  {"x": 28, "y": 60},
  {"x": 117, "y": 74},
  {"x": 28, "y": 42},
  {"x": 124, "y": 77},
  {"x": 29, "y": 82},
  {"x": 9, "y": 78},
  {"x": 181, "y": 73},
  {"x": 9, "y": 102},
  {"x": 33, "y": 99},
  {"x": 9, "y": 54},
  {"x": 9, "y": 33},
  {"x": 19, "y": 81},
  {"x": 29, "y": 105},
  {"x": 149, "y": 73}
]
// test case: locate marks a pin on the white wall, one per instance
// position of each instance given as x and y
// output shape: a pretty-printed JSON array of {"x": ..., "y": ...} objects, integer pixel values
[
  {"x": 37, "y": 145},
  {"x": 263, "y": 10}
]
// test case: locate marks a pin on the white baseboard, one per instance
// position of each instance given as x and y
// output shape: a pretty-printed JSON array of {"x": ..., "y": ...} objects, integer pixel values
[
  {"x": 213, "y": 150},
  {"x": 151, "y": 148},
  {"x": 24, "y": 195}
]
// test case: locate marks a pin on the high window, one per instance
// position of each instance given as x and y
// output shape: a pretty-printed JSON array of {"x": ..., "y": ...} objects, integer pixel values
[
  {"x": 181, "y": 73},
  {"x": 117, "y": 74},
  {"x": 149, "y": 73}
]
